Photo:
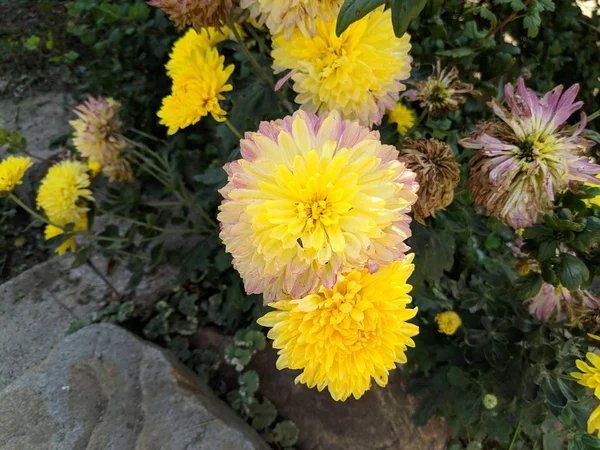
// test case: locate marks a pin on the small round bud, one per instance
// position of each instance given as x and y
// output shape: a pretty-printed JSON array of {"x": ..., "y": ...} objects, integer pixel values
[{"x": 490, "y": 401}]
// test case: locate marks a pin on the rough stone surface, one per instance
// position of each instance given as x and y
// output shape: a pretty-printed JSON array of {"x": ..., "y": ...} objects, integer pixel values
[
  {"x": 38, "y": 118},
  {"x": 103, "y": 388},
  {"x": 379, "y": 420},
  {"x": 37, "y": 306}
]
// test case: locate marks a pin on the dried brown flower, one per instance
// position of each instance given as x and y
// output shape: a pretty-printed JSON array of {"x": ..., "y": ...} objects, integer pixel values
[
  {"x": 440, "y": 93},
  {"x": 438, "y": 174},
  {"x": 195, "y": 13}
]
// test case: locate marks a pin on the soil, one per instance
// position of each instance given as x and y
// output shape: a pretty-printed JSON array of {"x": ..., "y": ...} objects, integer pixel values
[{"x": 22, "y": 71}]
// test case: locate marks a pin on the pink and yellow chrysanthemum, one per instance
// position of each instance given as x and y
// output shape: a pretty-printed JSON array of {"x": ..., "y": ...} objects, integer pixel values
[
  {"x": 313, "y": 196},
  {"x": 359, "y": 73},
  {"x": 284, "y": 16},
  {"x": 344, "y": 337}
]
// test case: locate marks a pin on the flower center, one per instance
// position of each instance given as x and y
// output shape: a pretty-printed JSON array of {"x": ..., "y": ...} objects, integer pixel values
[
  {"x": 317, "y": 211},
  {"x": 334, "y": 57},
  {"x": 533, "y": 147}
]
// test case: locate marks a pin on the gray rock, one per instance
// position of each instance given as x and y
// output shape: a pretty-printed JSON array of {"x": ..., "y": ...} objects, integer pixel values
[
  {"x": 38, "y": 118},
  {"x": 103, "y": 388},
  {"x": 37, "y": 306}
]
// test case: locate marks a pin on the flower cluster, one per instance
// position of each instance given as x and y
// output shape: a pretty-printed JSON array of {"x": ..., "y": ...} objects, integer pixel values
[
  {"x": 358, "y": 73},
  {"x": 195, "y": 13},
  {"x": 63, "y": 196},
  {"x": 199, "y": 81},
  {"x": 287, "y": 15},
  {"x": 12, "y": 170},
  {"x": 98, "y": 137},
  {"x": 315, "y": 215},
  {"x": 529, "y": 155}
]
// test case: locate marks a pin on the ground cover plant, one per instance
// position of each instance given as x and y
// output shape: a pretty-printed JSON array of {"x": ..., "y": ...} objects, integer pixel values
[{"x": 368, "y": 184}]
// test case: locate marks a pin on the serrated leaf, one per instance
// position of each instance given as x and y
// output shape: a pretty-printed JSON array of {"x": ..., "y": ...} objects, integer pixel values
[
  {"x": 353, "y": 10},
  {"x": 285, "y": 434}
]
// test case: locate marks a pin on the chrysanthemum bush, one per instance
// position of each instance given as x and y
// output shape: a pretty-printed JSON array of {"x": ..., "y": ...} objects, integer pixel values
[{"x": 407, "y": 189}]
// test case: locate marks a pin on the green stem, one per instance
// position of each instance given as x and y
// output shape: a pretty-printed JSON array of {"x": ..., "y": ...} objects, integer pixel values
[
  {"x": 594, "y": 116},
  {"x": 233, "y": 129},
  {"x": 18, "y": 201},
  {"x": 417, "y": 123},
  {"x": 515, "y": 436},
  {"x": 261, "y": 72}
]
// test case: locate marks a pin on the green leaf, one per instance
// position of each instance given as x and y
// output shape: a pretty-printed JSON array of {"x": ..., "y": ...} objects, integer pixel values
[
  {"x": 546, "y": 250},
  {"x": 263, "y": 414},
  {"x": 528, "y": 286},
  {"x": 552, "y": 441},
  {"x": 572, "y": 272},
  {"x": 404, "y": 12},
  {"x": 249, "y": 383},
  {"x": 458, "y": 378},
  {"x": 353, "y": 10},
  {"x": 32, "y": 42},
  {"x": 285, "y": 434}
]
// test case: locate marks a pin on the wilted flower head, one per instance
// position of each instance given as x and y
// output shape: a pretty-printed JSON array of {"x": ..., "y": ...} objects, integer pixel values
[
  {"x": 529, "y": 155},
  {"x": 403, "y": 117},
  {"x": 358, "y": 74},
  {"x": 63, "y": 192},
  {"x": 195, "y": 13},
  {"x": 440, "y": 93},
  {"x": 285, "y": 15},
  {"x": 448, "y": 322},
  {"x": 98, "y": 134},
  {"x": 344, "y": 336},
  {"x": 12, "y": 170},
  {"x": 549, "y": 303},
  {"x": 438, "y": 174},
  {"x": 199, "y": 81},
  {"x": 313, "y": 197}
]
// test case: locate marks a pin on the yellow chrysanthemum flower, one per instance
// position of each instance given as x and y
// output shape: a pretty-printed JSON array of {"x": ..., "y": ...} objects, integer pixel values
[
  {"x": 342, "y": 337},
  {"x": 593, "y": 424},
  {"x": 12, "y": 170},
  {"x": 589, "y": 375},
  {"x": 313, "y": 197},
  {"x": 94, "y": 167},
  {"x": 359, "y": 73},
  {"x": 63, "y": 192},
  {"x": 403, "y": 117},
  {"x": 448, "y": 322},
  {"x": 198, "y": 84},
  {"x": 284, "y": 16},
  {"x": 69, "y": 244},
  {"x": 192, "y": 40}
]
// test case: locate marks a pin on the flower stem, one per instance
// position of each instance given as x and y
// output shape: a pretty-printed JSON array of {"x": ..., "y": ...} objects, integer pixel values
[
  {"x": 594, "y": 116},
  {"x": 101, "y": 275},
  {"x": 417, "y": 123},
  {"x": 233, "y": 129},
  {"x": 267, "y": 78},
  {"x": 515, "y": 436},
  {"x": 505, "y": 22},
  {"x": 18, "y": 201}
]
